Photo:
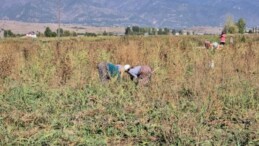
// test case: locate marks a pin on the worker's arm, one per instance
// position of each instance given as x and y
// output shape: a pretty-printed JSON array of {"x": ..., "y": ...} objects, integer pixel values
[{"x": 121, "y": 70}]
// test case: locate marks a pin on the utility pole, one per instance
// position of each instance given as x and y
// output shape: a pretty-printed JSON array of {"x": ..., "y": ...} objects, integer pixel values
[
  {"x": 58, "y": 42},
  {"x": 58, "y": 18}
]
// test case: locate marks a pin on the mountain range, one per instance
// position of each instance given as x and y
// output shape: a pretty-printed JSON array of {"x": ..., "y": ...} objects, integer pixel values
[{"x": 155, "y": 13}]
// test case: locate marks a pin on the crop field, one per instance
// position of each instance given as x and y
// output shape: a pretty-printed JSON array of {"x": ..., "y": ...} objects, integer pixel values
[{"x": 50, "y": 93}]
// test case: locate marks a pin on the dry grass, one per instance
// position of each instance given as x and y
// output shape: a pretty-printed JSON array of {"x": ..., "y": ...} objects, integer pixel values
[{"x": 50, "y": 92}]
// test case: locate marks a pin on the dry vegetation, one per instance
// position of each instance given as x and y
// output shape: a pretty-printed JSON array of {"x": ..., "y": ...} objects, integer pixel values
[{"x": 50, "y": 92}]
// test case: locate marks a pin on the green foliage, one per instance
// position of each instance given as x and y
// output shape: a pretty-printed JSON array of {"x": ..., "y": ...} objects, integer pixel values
[
  {"x": 53, "y": 34},
  {"x": 67, "y": 33},
  {"x": 243, "y": 39},
  {"x": 241, "y": 24},
  {"x": 128, "y": 31},
  {"x": 232, "y": 27},
  {"x": 48, "y": 32},
  {"x": 90, "y": 34},
  {"x": 186, "y": 103},
  {"x": 8, "y": 33},
  {"x": 74, "y": 33},
  {"x": 105, "y": 33},
  {"x": 136, "y": 30},
  {"x": 60, "y": 31}
]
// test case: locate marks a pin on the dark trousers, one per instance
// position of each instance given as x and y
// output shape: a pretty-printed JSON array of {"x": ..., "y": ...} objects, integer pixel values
[{"x": 103, "y": 72}]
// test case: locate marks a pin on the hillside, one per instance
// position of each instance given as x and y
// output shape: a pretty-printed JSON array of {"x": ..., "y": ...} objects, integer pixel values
[
  {"x": 159, "y": 13},
  {"x": 19, "y": 27}
]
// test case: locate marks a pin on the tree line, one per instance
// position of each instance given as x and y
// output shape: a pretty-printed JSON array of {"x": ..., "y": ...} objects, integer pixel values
[
  {"x": 136, "y": 30},
  {"x": 50, "y": 33},
  {"x": 230, "y": 26},
  {"x": 63, "y": 33}
]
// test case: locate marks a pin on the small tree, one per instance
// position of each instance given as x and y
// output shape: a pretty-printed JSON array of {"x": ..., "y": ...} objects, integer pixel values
[
  {"x": 8, "y": 33},
  {"x": 166, "y": 31},
  {"x": 60, "y": 31},
  {"x": 74, "y": 33},
  {"x": 250, "y": 31},
  {"x": 230, "y": 26},
  {"x": 48, "y": 32},
  {"x": 160, "y": 31},
  {"x": 105, "y": 33},
  {"x": 53, "y": 34},
  {"x": 241, "y": 24},
  {"x": 67, "y": 33},
  {"x": 128, "y": 31},
  {"x": 136, "y": 30}
]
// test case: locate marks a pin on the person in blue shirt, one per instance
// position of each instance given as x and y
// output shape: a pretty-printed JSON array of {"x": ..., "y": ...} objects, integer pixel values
[{"x": 107, "y": 71}]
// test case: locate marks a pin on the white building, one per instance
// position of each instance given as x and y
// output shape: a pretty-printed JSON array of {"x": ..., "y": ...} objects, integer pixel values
[
  {"x": 31, "y": 34},
  {"x": 255, "y": 29},
  {"x": 177, "y": 34}
]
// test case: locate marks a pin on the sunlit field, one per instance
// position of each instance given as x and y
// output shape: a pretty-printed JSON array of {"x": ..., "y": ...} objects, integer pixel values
[{"x": 50, "y": 93}]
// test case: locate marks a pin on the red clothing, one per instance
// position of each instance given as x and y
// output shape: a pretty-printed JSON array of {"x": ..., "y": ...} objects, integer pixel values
[{"x": 223, "y": 38}]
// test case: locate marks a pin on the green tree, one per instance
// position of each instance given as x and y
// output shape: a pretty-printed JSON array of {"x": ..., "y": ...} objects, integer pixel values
[
  {"x": 105, "y": 33},
  {"x": 67, "y": 33},
  {"x": 8, "y": 33},
  {"x": 74, "y": 33},
  {"x": 241, "y": 24},
  {"x": 160, "y": 31},
  {"x": 48, "y": 32},
  {"x": 166, "y": 31},
  {"x": 128, "y": 31},
  {"x": 53, "y": 34},
  {"x": 90, "y": 34},
  {"x": 136, "y": 30},
  {"x": 230, "y": 26},
  {"x": 61, "y": 32},
  {"x": 151, "y": 31}
]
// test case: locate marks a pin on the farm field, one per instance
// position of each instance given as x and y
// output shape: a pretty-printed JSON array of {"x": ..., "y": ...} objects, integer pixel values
[{"x": 50, "y": 93}]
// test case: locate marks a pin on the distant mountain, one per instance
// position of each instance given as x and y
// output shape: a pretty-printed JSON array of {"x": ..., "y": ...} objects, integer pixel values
[{"x": 156, "y": 13}]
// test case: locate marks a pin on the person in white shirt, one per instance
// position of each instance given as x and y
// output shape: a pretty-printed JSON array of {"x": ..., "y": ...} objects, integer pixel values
[{"x": 141, "y": 74}]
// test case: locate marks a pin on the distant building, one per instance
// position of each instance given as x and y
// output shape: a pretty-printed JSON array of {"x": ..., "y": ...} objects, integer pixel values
[
  {"x": 31, "y": 34},
  {"x": 177, "y": 33},
  {"x": 184, "y": 32},
  {"x": 1, "y": 33},
  {"x": 255, "y": 30},
  {"x": 198, "y": 33}
]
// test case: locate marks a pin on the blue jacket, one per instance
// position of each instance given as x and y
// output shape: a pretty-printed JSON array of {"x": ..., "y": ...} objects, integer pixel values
[{"x": 113, "y": 70}]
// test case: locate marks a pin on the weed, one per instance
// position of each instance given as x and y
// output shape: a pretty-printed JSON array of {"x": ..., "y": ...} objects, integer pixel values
[{"x": 50, "y": 92}]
